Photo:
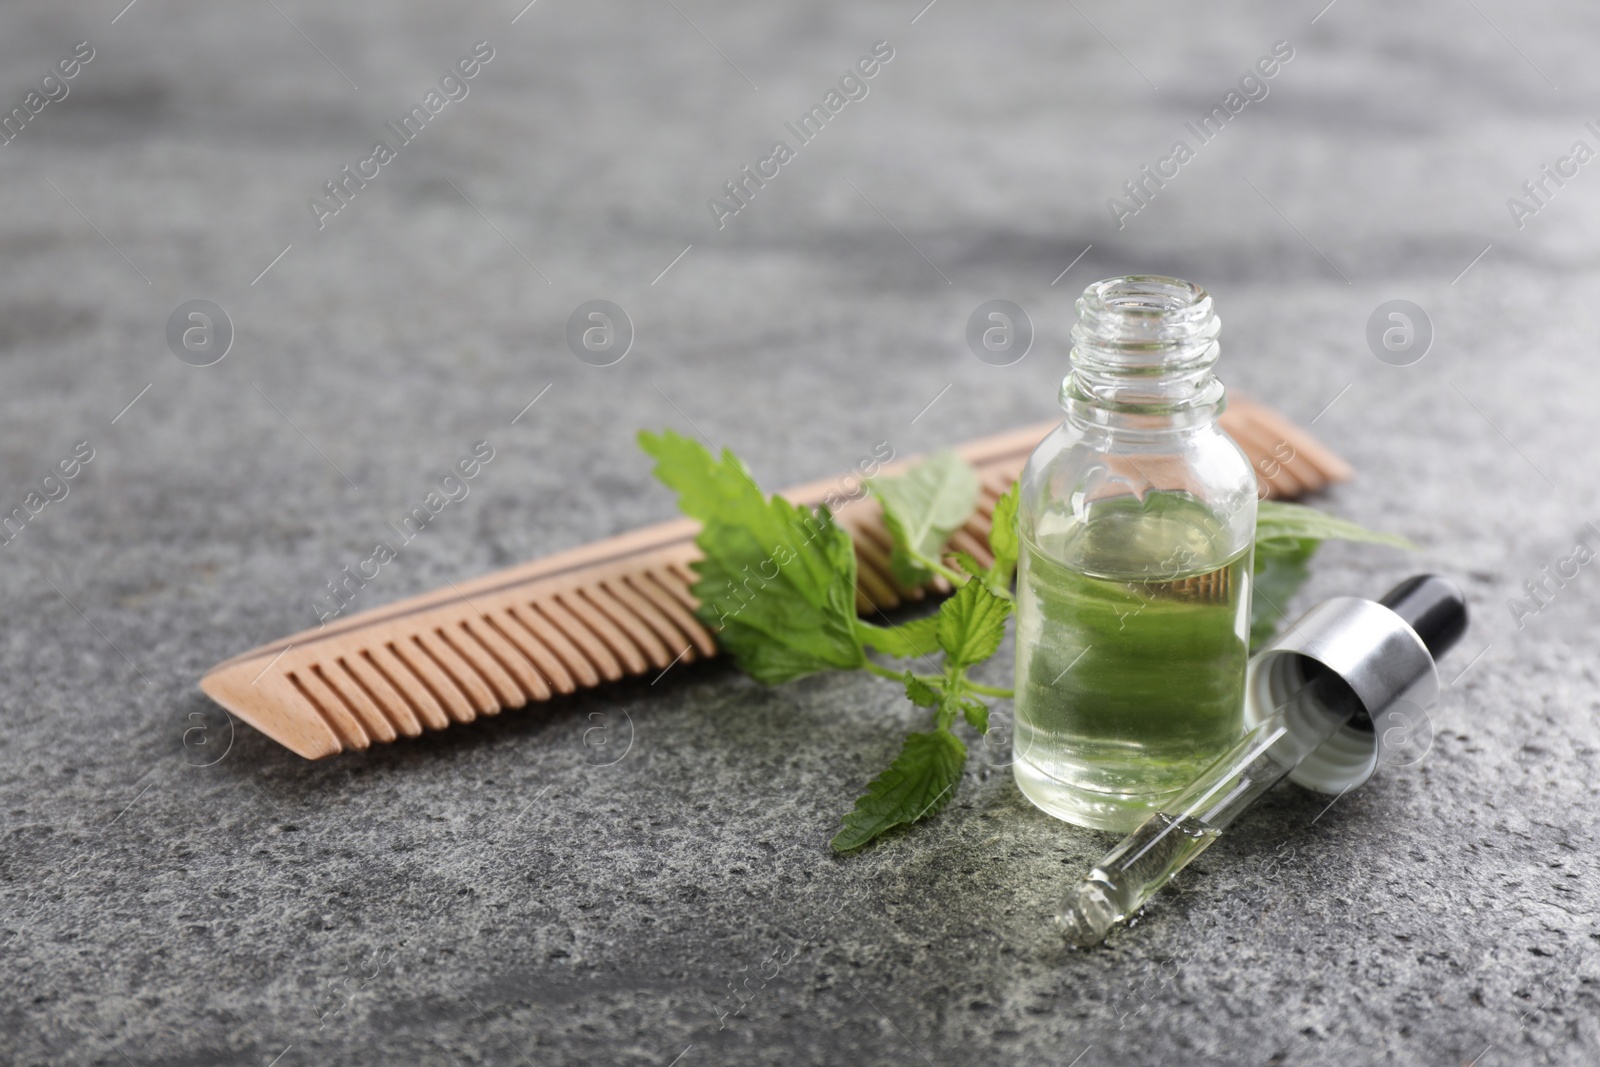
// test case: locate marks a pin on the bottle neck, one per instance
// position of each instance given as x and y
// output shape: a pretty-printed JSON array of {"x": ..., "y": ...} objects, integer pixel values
[{"x": 1143, "y": 350}]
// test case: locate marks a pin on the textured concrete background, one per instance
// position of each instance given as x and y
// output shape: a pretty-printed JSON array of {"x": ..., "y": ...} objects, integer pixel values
[{"x": 173, "y": 891}]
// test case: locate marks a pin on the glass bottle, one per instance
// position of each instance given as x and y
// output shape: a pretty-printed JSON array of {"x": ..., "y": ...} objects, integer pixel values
[{"x": 1137, "y": 523}]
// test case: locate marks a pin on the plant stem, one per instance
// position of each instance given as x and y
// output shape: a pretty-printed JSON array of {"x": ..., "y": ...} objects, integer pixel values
[
  {"x": 883, "y": 672},
  {"x": 939, "y": 682},
  {"x": 989, "y": 690},
  {"x": 935, "y": 680},
  {"x": 954, "y": 577}
]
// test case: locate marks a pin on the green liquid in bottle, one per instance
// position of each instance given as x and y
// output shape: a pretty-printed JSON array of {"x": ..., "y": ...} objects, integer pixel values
[{"x": 1131, "y": 650}]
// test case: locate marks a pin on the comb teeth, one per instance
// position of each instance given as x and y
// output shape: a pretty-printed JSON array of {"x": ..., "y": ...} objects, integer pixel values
[
  {"x": 617, "y": 608},
  {"x": 1213, "y": 587}
]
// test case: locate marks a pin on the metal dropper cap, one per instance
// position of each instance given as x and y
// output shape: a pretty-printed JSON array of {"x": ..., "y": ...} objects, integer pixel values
[{"x": 1384, "y": 651}]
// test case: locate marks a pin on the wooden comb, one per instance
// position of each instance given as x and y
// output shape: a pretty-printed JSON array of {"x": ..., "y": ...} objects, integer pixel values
[{"x": 595, "y": 614}]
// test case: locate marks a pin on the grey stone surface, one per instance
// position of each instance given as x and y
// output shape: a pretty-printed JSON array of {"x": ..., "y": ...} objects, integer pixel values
[{"x": 495, "y": 895}]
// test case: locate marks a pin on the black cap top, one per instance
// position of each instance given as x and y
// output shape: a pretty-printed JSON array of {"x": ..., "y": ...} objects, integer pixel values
[{"x": 1433, "y": 607}]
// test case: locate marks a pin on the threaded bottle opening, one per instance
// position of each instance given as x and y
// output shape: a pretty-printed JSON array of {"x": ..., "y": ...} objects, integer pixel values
[{"x": 1144, "y": 342}]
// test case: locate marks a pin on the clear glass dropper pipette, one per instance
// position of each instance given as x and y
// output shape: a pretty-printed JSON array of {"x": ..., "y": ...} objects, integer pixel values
[
  {"x": 1389, "y": 647},
  {"x": 1163, "y": 845}
]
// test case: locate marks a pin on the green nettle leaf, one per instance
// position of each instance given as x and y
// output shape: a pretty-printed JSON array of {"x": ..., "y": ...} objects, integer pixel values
[
  {"x": 1003, "y": 539},
  {"x": 971, "y": 625},
  {"x": 976, "y": 712},
  {"x": 1281, "y": 568},
  {"x": 908, "y": 640},
  {"x": 922, "y": 508},
  {"x": 1287, "y": 536},
  {"x": 920, "y": 782},
  {"x": 1277, "y": 521},
  {"x": 777, "y": 583},
  {"x": 920, "y": 692}
]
